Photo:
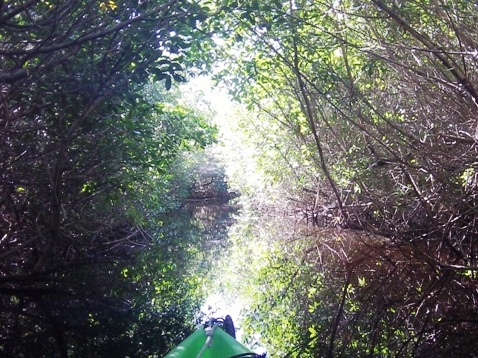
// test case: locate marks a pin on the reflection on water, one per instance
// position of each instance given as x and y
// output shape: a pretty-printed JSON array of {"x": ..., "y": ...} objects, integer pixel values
[
  {"x": 318, "y": 292},
  {"x": 213, "y": 217},
  {"x": 308, "y": 291}
]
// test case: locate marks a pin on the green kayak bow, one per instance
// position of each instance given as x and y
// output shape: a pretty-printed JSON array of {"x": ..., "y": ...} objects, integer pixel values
[{"x": 211, "y": 342}]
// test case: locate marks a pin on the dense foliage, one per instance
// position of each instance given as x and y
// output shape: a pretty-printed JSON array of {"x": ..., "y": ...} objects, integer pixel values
[
  {"x": 363, "y": 120},
  {"x": 91, "y": 262},
  {"x": 364, "y": 114}
]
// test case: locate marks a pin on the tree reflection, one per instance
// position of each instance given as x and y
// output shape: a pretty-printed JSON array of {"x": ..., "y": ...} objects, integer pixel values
[{"x": 342, "y": 293}]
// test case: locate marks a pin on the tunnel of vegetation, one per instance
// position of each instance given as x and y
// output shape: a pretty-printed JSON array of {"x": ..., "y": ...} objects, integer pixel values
[{"x": 359, "y": 239}]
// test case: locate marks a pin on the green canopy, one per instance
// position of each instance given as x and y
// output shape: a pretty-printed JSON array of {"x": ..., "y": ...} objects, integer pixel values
[{"x": 222, "y": 346}]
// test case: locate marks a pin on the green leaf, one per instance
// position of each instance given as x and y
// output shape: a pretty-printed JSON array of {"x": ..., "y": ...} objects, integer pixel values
[
  {"x": 179, "y": 78},
  {"x": 167, "y": 83}
]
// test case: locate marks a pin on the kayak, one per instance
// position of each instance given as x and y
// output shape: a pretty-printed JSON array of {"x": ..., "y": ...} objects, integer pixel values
[{"x": 210, "y": 342}]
